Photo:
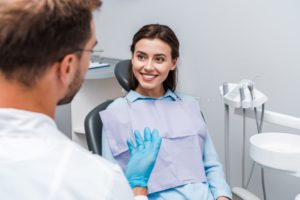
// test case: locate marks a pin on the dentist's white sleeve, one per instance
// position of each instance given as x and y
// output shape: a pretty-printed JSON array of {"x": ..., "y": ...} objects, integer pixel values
[{"x": 122, "y": 190}]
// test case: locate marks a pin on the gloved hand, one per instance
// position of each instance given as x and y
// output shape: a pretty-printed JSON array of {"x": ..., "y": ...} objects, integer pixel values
[{"x": 142, "y": 157}]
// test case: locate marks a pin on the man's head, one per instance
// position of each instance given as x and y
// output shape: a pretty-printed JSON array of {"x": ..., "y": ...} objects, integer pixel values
[{"x": 37, "y": 34}]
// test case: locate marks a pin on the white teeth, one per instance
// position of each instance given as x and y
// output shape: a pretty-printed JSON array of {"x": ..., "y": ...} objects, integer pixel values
[{"x": 149, "y": 76}]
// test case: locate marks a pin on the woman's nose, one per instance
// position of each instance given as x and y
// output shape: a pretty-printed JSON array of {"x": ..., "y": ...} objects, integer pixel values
[{"x": 149, "y": 65}]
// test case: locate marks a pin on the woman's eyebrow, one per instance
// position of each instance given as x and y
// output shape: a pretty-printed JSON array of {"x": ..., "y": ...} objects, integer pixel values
[
  {"x": 161, "y": 54},
  {"x": 158, "y": 54},
  {"x": 141, "y": 52}
]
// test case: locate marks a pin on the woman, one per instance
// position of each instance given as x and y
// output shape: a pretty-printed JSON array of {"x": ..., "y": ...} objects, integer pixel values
[{"x": 187, "y": 166}]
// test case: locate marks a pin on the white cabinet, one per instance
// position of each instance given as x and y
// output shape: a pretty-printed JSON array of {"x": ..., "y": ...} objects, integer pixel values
[{"x": 99, "y": 85}]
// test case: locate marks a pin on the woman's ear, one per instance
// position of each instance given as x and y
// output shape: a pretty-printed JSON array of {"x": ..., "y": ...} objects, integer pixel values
[{"x": 174, "y": 64}]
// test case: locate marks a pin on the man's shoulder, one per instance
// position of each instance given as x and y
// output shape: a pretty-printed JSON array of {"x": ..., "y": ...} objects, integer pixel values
[
  {"x": 95, "y": 161},
  {"x": 84, "y": 166},
  {"x": 91, "y": 176}
]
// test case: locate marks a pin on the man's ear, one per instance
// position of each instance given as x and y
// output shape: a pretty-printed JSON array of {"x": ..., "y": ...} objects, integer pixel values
[{"x": 67, "y": 68}]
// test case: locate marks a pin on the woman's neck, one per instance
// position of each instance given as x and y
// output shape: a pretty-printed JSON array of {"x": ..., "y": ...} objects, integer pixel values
[{"x": 154, "y": 93}]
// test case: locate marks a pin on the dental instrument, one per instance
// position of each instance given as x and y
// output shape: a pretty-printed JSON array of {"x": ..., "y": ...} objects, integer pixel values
[{"x": 244, "y": 96}]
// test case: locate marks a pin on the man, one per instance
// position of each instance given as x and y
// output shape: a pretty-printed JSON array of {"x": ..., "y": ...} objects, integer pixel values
[{"x": 45, "y": 47}]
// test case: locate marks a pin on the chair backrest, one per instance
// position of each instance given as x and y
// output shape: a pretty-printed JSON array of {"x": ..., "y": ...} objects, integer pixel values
[
  {"x": 93, "y": 128},
  {"x": 92, "y": 123},
  {"x": 121, "y": 73}
]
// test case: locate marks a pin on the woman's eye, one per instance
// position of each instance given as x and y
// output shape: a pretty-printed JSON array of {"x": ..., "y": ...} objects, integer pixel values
[
  {"x": 140, "y": 57},
  {"x": 160, "y": 59}
]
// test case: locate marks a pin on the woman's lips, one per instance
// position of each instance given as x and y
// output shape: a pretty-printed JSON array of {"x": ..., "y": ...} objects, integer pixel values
[{"x": 148, "y": 77}]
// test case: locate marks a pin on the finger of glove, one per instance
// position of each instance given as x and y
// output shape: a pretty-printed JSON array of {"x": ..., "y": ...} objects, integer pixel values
[
  {"x": 131, "y": 146},
  {"x": 147, "y": 138},
  {"x": 156, "y": 139},
  {"x": 139, "y": 140},
  {"x": 147, "y": 134}
]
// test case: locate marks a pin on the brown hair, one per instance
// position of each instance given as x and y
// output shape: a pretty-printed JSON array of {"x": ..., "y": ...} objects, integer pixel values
[
  {"x": 36, "y": 33},
  {"x": 166, "y": 34}
]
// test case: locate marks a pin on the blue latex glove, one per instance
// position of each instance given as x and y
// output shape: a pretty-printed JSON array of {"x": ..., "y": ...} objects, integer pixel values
[{"x": 142, "y": 157}]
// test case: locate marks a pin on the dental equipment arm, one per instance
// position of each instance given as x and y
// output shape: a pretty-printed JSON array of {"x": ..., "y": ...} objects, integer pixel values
[
  {"x": 226, "y": 123},
  {"x": 242, "y": 95},
  {"x": 251, "y": 87},
  {"x": 225, "y": 88}
]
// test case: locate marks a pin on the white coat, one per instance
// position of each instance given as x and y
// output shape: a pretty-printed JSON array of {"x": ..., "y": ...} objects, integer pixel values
[{"x": 38, "y": 162}]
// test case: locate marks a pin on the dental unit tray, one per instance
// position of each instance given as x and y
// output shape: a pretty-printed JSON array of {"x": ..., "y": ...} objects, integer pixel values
[
  {"x": 96, "y": 64},
  {"x": 248, "y": 99}
]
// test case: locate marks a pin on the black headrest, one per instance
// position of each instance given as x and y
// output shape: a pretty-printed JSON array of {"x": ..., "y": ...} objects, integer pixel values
[{"x": 121, "y": 73}]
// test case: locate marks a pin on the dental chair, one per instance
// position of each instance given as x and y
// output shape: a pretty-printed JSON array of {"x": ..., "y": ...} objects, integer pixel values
[{"x": 92, "y": 122}]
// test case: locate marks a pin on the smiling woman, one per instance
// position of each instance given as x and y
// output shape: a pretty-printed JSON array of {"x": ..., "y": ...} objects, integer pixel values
[
  {"x": 187, "y": 166},
  {"x": 151, "y": 64},
  {"x": 162, "y": 43}
]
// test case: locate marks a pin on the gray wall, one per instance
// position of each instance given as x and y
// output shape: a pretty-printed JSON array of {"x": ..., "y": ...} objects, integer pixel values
[{"x": 222, "y": 41}]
